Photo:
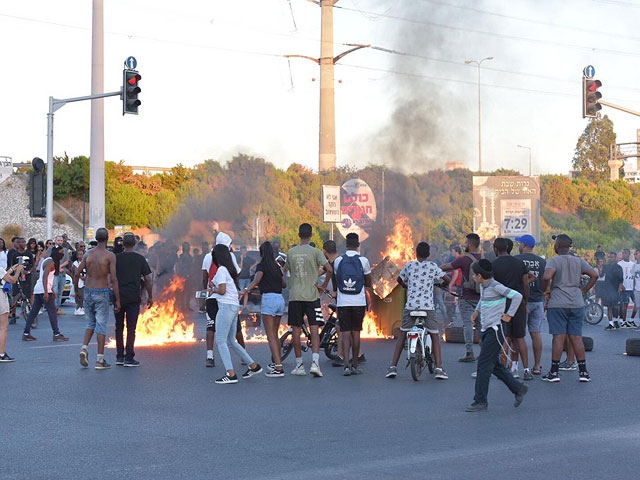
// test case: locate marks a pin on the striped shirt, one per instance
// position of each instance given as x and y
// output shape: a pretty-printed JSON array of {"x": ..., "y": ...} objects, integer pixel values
[{"x": 493, "y": 299}]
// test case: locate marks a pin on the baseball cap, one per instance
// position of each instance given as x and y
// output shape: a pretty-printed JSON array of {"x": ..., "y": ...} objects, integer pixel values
[{"x": 527, "y": 240}]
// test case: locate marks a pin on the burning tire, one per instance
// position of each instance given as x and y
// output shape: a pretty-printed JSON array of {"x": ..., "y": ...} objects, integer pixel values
[
  {"x": 286, "y": 344},
  {"x": 633, "y": 347},
  {"x": 456, "y": 335}
]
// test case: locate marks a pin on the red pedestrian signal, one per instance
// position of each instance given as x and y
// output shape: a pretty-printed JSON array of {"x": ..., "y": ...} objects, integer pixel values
[{"x": 130, "y": 91}]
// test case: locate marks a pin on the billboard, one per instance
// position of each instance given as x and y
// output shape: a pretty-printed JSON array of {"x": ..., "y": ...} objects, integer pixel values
[
  {"x": 506, "y": 206},
  {"x": 331, "y": 204},
  {"x": 357, "y": 208}
]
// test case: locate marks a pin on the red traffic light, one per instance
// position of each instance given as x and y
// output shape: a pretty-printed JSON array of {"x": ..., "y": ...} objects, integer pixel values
[
  {"x": 135, "y": 79},
  {"x": 593, "y": 85}
]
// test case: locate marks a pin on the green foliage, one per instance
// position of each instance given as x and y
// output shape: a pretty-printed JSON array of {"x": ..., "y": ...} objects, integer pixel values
[
  {"x": 591, "y": 157},
  {"x": 70, "y": 177}
]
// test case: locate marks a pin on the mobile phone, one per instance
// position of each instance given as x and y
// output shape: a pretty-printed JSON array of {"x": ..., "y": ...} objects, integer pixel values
[
  {"x": 20, "y": 260},
  {"x": 202, "y": 294}
]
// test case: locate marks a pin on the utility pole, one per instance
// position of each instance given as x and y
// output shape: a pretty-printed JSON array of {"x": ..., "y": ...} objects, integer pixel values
[
  {"x": 96, "y": 165},
  {"x": 528, "y": 148},
  {"x": 478, "y": 63},
  {"x": 327, "y": 135}
]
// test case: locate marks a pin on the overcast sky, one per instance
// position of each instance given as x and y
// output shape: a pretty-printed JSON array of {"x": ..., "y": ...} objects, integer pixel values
[{"x": 214, "y": 82}]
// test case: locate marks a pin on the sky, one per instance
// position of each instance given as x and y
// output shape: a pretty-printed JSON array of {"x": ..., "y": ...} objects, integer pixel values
[{"x": 215, "y": 82}]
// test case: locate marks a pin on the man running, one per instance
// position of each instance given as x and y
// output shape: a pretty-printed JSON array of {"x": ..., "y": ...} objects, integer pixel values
[
  {"x": 100, "y": 265},
  {"x": 303, "y": 263}
]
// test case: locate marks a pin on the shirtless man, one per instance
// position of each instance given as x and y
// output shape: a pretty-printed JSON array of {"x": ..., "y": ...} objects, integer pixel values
[{"x": 100, "y": 264}]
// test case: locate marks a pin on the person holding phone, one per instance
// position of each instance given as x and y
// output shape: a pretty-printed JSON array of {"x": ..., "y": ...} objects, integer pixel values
[{"x": 7, "y": 277}]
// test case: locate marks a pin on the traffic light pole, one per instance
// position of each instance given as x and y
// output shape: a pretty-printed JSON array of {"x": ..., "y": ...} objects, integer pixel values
[
  {"x": 618, "y": 107},
  {"x": 54, "y": 105}
]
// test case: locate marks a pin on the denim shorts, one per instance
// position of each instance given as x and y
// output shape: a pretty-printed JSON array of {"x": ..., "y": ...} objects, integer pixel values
[
  {"x": 565, "y": 321},
  {"x": 272, "y": 304},
  {"x": 626, "y": 296},
  {"x": 535, "y": 317},
  {"x": 96, "y": 309}
]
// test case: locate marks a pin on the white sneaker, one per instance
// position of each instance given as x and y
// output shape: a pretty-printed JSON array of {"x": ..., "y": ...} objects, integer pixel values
[
  {"x": 299, "y": 370},
  {"x": 474, "y": 374},
  {"x": 79, "y": 311},
  {"x": 315, "y": 370}
]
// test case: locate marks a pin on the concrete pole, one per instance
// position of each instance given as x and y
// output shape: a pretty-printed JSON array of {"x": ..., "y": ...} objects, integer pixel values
[
  {"x": 479, "y": 124},
  {"x": 50, "y": 170},
  {"x": 327, "y": 158},
  {"x": 96, "y": 172}
]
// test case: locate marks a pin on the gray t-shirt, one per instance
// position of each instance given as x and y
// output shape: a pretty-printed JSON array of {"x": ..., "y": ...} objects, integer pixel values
[{"x": 565, "y": 285}]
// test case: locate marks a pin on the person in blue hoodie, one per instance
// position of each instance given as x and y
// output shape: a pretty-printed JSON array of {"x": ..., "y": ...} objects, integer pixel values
[{"x": 491, "y": 308}]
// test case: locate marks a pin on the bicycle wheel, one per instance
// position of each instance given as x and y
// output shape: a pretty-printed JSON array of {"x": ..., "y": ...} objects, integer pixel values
[
  {"x": 331, "y": 348},
  {"x": 431, "y": 365},
  {"x": 593, "y": 313},
  {"x": 286, "y": 345},
  {"x": 417, "y": 364}
]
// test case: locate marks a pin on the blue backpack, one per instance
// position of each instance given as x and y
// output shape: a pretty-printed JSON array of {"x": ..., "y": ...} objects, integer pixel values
[{"x": 350, "y": 275}]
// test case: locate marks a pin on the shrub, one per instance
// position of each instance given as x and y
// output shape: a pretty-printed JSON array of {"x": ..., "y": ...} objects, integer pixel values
[
  {"x": 11, "y": 230},
  {"x": 60, "y": 218}
]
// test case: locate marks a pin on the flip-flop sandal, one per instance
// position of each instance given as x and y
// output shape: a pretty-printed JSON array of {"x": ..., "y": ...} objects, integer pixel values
[{"x": 536, "y": 371}]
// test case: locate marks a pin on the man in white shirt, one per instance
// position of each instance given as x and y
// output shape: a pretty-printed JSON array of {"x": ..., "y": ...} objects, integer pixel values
[
  {"x": 627, "y": 294},
  {"x": 353, "y": 275},
  {"x": 636, "y": 287}
]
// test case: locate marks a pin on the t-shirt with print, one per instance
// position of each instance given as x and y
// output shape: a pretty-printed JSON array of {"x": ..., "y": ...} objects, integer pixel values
[
  {"x": 359, "y": 300},
  {"x": 130, "y": 268},
  {"x": 565, "y": 285},
  {"x": 303, "y": 263},
  {"x": 231, "y": 291},
  {"x": 627, "y": 271},
  {"x": 463, "y": 262},
  {"x": 420, "y": 278},
  {"x": 536, "y": 265}
]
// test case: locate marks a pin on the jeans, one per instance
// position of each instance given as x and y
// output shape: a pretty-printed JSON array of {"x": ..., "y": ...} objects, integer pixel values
[
  {"x": 467, "y": 307},
  {"x": 130, "y": 312},
  {"x": 226, "y": 326},
  {"x": 58, "y": 287},
  {"x": 489, "y": 363},
  {"x": 38, "y": 303},
  {"x": 96, "y": 309}
]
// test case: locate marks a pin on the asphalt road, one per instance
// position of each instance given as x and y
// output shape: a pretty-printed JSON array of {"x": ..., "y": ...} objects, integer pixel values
[{"x": 168, "y": 419}]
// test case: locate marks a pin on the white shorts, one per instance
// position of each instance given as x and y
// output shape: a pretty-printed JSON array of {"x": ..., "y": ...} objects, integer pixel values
[{"x": 4, "y": 303}]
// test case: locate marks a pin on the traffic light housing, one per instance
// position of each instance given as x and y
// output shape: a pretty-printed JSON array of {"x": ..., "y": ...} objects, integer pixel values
[
  {"x": 37, "y": 189},
  {"x": 590, "y": 97},
  {"x": 130, "y": 91}
]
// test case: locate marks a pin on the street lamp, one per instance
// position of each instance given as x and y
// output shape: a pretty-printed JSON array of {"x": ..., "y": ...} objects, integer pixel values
[
  {"x": 478, "y": 63},
  {"x": 528, "y": 148}
]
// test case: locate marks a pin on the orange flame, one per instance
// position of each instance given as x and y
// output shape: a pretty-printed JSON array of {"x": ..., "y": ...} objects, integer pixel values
[
  {"x": 370, "y": 326},
  {"x": 400, "y": 244},
  {"x": 253, "y": 334},
  {"x": 163, "y": 323}
]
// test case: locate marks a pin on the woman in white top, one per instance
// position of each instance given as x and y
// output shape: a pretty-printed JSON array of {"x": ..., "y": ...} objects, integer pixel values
[
  {"x": 6, "y": 279},
  {"x": 43, "y": 294},
  {"x": 225, "y": 291},
  {"x": 3, "y": 254}
]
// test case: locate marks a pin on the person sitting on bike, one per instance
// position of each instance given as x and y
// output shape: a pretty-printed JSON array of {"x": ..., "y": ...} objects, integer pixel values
[
  {"x": 491, "y": 309},
  {"x": 419, "y": 277}
]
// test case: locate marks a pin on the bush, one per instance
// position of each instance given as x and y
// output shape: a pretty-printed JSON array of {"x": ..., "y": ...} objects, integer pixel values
[
  {"x": 60, "y": 218},
  {"x": 11, "y": 230}
]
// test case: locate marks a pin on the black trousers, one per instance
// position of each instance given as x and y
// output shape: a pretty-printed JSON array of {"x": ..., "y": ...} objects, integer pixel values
[
  {"x": 489, "y": 363},
  {"x": 130, "y": 312}
]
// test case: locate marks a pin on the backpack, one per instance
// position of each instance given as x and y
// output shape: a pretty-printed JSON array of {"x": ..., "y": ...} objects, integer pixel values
[
  {"x": 470, "y": 283},
  {"x": 350, "y": 275}
]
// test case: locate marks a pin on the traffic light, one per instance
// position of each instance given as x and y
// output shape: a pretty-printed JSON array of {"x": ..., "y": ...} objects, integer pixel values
[
  {"x": 130, "y": 91},
  {"x": 590, "y": 97},
  {"x": 37, "y": 190}
]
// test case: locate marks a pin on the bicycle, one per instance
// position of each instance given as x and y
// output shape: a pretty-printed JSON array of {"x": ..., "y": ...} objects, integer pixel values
[
  {"x": 22, "y": 301},
  {"x": 328, "y": 337},
  {"x": 419, "y": 347},
  {"x": 593, "y": 311}
]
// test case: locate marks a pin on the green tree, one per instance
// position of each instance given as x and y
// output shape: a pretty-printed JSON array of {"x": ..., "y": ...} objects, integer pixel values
[{"x": 592, "y": 151}]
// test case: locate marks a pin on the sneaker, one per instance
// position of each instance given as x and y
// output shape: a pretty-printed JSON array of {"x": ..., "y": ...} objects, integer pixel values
[
  {"x": 356, "y": 371},
  {"x": 362, "y": 358},
  {"x": 611, "y": 326},
  {"x": 617, "y": 324},
  {"x": 120, "y": 361},
  {"x": 551, "y": 377},
  {"x": 226, "y": 378},
  {"x": 346, "y": 372},
  {"x": 27, "y": 337},
  {"x": 338, "y": 362},
  {"x": 252, "y": 371},
  {"x": 84, "y": 358},
  {"x": 103, "y": 365},
  {"x": 299, "y": 370},
  {"x": 79, "y": 312},
  {"x": 392, "y": 372},
  {"x": 477, "y": 407},
  {"x": 568, "y": 367},
  {"x": 440, "y": 374},
  {"x": 60, "y": 312},
  {"x": 315, "y": 370},
  {"x": 520, "y": 395},
  {"x": 584, "y": 377},
  {"x": 467, "y": 358},
  {"x": 210, "y": 362},
  {"x": 275, "y": 373},
  {"x": 515, "y": 374},
  {"x": 58, "y": 337},
  {"x": 527, "y": 375},
  {"x": 5, "y": 358},
  {"x": 474, "y": 374},
  {"x": 632, "y": 324},
  {"x": 132, "y": 363}
]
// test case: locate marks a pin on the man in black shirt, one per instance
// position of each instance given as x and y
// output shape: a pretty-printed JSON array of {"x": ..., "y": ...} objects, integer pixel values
[
  {"x": 511, "y": 272},
  {"x": 131, "y": 268},
  {"x": 613, "y": 285},
  {"x": 535, "y": 306},
  {"x": 599, "y": 255}
]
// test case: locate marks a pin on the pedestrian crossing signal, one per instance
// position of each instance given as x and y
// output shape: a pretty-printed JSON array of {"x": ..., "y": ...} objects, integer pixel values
[{"x": 130, "y": 92}]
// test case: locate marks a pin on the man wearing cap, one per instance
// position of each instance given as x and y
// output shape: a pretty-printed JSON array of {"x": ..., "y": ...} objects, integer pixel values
[
  {"x": 565, "y": 302},
  {"x": 535, "y": 303}
]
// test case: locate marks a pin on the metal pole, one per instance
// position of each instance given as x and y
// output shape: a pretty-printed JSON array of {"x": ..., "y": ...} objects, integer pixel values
[
  {"x": 529, "y": 162},
  {"x": 50, "y": 170},
  {"x": 84, "y": 215},
  {"x": 331, "y": 231},
  {"x": 96, "y": 175},
  {"x": 327, "y": 147},
  {"x": 618, "y": 107},
  {"x": 479, "y": 124}
]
